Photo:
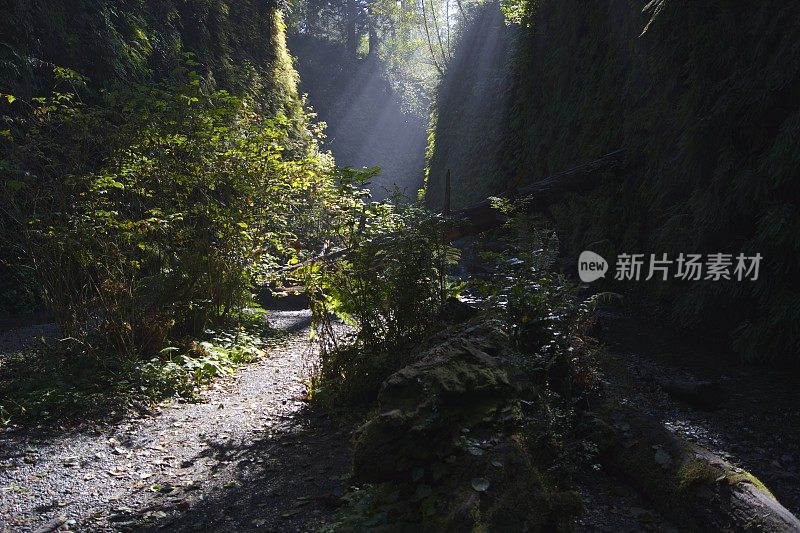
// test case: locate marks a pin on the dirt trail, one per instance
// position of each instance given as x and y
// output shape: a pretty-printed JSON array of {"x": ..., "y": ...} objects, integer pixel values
[
  {"x": 255, "y": 457},
  {"x": 252, "y": 457}
]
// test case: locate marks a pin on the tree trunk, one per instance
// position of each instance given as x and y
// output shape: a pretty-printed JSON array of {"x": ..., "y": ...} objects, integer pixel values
[
  {"x": 373, "y": 30},
  {"x": 350, "y": 28},
  {"x": 687, "y": 483}
]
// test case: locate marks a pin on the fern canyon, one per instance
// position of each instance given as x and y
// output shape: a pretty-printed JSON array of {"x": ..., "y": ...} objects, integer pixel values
[{"x": 339, "y": 266}]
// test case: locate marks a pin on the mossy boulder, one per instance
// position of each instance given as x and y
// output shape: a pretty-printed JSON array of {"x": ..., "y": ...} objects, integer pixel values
[
  {"x": 502, "y": 490},
  {"x": 450, "y": 443},
  {"x": 425, "y": 406}
]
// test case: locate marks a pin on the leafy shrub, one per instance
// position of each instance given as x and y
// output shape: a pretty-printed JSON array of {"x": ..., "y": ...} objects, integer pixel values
[
  {"x": 180, "y": 374},
  {"x": 192, "y": 199},
  {"x": 58, "y": 382},
  {"x": 545, "y": 313},
  {"x": 388, "y": 290},
  {"x": 142, "y": 205}
]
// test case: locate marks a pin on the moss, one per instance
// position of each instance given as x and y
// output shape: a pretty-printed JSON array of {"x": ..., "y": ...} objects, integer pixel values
[
  {"x": 696, "y": 472},
  {"x": 518, "y": 498},
  {"x": 424, "y": 405},
  {"x": 283, "y": 73},
  {"x": 699, "y": 471},
  {"x": 734, "y": 478},
  {"x": 241, "y": 47},
  {"x": 451, "y": 417}
]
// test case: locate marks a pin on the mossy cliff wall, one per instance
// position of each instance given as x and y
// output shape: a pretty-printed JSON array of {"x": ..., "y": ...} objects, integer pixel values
[
  {"x": 240, "y": 45},
  {"x": 234, "y": 45},
  {"x": 470, "y": 123},
  {"x": 705, "y": 97}
]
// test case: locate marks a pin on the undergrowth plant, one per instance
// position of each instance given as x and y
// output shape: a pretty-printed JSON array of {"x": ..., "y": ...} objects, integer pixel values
[
  {"x": 51, "y": 381},
  {"x": 545, "y": 313},
  {"x": 433, "y": 426},
  {"x": 374, "y": 303},
  {"x": 146, "y": 220},
  {"x": 165, "y": 232}
]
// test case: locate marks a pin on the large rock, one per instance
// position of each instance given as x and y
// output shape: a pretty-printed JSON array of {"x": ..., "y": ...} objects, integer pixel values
[
  {"x": 461, "y": 437},
  {"x": 423, "y": 407},
  {"x": 451, "y": 437}
]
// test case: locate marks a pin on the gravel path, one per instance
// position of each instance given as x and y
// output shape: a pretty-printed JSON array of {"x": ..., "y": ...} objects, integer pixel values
[
  {"x": 255, "y": 457},
  {"x": 15, "y": 338},
  {"x": 252, "y": 457}
]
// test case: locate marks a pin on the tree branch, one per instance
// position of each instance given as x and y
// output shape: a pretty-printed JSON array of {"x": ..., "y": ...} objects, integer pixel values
[{"x": 428, "y": 35}]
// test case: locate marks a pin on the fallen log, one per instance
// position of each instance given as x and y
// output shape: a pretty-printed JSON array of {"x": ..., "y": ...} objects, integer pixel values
[
  {"x": 483, "y": 216},
  {"x": 686, "y": 482},
  {"x": 293, "y": 298}
]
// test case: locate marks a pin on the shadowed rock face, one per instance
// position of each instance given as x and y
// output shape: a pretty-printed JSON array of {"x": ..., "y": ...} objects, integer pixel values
[
  {"x": 705, "y": 99},
  {"x": 472, "y": 119}
]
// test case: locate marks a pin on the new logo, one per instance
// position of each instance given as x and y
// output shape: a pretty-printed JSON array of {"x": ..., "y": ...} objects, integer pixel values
[{"x": 591, "y": 266}]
